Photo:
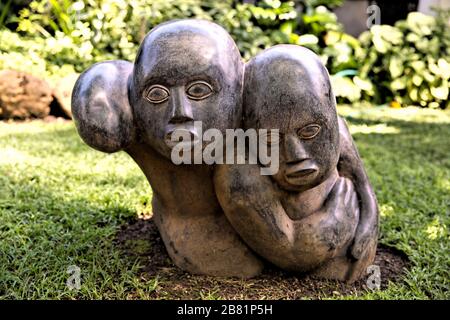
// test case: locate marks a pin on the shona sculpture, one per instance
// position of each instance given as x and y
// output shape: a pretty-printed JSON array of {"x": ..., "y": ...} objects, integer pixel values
[{"x": 317, "y": 213}]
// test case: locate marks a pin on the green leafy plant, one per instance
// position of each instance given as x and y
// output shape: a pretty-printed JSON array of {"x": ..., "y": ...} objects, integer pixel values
[
  {"x": 405, "y": 64},
  {"x": 114, "y": 29},
  {"x": 44, "y": 57},
  {"x": 4, "y": 11}
]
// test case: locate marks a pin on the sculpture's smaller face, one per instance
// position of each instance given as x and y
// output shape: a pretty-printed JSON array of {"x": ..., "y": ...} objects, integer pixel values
[
  {"x": 185, "y": 71},
  {"x": 287, "y": 88}
]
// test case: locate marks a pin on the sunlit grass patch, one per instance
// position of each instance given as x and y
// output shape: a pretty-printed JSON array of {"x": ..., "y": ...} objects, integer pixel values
[{"x": 63, "y": 203}]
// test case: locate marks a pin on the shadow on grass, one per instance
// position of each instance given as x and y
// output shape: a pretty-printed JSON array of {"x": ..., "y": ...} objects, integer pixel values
[
  {"x": 405, "y": 168},
  {"x": 141, "y": 240},
  {"x": 42, "y": 231}
]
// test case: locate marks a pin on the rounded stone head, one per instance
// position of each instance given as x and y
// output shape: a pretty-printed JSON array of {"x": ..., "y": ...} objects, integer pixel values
[
  {"x": 287, "y": 88},
  {"x": 185, "y": 71}
]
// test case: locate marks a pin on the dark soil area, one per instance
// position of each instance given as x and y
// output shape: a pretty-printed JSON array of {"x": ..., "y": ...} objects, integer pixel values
[{"x": 141, "y": 240}]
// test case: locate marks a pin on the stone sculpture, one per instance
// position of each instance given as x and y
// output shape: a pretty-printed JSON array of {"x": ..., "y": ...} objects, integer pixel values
[
  {"x": 317, "y": 214},
  {"x": 184, "y": 71},
  {"x": 305, "y": 217}
]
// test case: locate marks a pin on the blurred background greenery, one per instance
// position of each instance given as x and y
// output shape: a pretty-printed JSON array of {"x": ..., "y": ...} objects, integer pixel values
[
  {"x": 403, "y": 64},
  {"x": 63, "y": 203}
]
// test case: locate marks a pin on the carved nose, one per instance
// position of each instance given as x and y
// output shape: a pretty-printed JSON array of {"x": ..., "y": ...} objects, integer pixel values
[
  {"x": 295, "y": 151},
  {"x": 181, "y": 110}
]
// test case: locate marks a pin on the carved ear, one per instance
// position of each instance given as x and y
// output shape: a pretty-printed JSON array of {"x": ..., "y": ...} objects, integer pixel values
[{"x": 100, "y": 107}]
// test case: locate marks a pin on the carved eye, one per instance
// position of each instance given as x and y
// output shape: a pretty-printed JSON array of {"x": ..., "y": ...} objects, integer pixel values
[
  {"x": 199, "y": 90},
  {"x": 309, "y": 132},
  {"x": 157, "y": 94}
]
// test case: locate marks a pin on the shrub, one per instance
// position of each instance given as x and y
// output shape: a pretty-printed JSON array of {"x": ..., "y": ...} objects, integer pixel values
[
  {"x": 113, "y": 29},
  {"x": 405, "y": 64},
  {"x": 50, "y": 58}
]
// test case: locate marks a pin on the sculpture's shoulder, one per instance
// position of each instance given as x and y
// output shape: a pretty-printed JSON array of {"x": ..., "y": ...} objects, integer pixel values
[
  {"x": 233, "y": 179},
  {"x": 243, "y": 183}
]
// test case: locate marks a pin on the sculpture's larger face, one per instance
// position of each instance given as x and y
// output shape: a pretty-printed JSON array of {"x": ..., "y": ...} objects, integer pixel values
[
  {"x": 185, "y": 71},
  {"x": 287, "y": 88}
]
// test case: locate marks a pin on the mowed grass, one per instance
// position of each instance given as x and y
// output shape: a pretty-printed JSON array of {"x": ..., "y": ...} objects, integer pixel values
[{"x": 62, "y": 204}]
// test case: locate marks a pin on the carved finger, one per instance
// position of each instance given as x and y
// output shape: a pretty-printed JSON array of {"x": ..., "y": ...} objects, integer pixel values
[{"x": 337, "y": 195}]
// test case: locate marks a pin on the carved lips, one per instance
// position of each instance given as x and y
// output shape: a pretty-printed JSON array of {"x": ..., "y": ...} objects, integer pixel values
[
  {"x": 301, "y": 172},
  {"x": 187, "y": 134}
]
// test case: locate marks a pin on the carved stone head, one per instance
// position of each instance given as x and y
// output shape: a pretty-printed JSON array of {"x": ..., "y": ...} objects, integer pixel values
[
  {"x": 185, "y": 71},
  {"x": 288, "y": 88}
]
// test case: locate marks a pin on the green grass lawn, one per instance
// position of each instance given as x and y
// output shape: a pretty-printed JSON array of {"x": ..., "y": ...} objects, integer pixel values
[{"x": 62, "y": 204}]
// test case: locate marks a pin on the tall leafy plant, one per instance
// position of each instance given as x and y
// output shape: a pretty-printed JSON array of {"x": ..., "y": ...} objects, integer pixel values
[{"x": 405, "y": 64}]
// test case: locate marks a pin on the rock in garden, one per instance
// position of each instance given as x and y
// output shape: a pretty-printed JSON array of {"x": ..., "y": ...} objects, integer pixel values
[
  {"x": 23, "y": 96},
  {"x": 63, "y": 93}
]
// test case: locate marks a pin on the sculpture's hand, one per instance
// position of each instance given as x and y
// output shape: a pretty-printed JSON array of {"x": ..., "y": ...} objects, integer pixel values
[
  {"x": 100, "y": 106},
  {"x": 364, "y": 246},
  {"x": 367, "y": 232},
  {"x": 251, "y": 204},
  {"x": 334, "y": 224},
  {"x": 342, "y": 201},
  {"x": 350, "y": 165},
  {"x": 364, "y": 237}
]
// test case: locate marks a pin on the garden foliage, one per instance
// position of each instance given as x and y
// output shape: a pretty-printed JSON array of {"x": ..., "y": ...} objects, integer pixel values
[{"x": 407, "y": 63}]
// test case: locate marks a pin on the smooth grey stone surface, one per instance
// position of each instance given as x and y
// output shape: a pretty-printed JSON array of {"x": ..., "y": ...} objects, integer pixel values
[
  {"x": 307, "y": 215},
  {"x": 317, "y": 214},
  {"x": 185, "y": 71}
]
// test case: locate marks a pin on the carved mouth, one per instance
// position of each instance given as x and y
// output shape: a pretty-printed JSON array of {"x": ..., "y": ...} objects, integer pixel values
[
  {"x": 302, "y": 171},
  {"x": 183, "y": 134}
]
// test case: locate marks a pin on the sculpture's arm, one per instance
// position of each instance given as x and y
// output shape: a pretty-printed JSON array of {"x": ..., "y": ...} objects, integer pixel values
[
  {"x": 100, "y": 107},
  {"x": 350, "y": 165},
  {"x": 251, "y": 204}
]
